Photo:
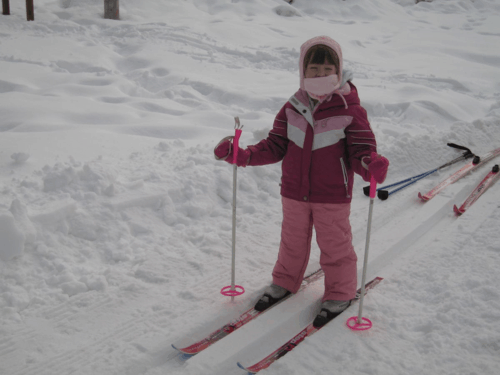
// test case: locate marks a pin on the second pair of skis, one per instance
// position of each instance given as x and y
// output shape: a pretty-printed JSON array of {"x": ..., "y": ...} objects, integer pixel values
[
  {"x": 487, "y": 181},
  {"x": 383, "y": 192}
]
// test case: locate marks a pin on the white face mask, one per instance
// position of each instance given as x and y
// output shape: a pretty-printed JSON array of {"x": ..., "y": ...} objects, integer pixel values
[{"x": 320, "y": 87}]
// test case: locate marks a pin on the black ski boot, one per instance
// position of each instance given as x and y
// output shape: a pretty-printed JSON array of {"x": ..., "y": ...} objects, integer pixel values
[
  {"x": 329, "y": 310},
  {"x": 272, "y": 295}
]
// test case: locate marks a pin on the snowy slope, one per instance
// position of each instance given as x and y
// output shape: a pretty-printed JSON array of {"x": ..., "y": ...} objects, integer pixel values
[{"x": 115, "y": 219}]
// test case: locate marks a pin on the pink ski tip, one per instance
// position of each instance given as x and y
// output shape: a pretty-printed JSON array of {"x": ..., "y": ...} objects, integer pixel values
[
  {"x": 244, "y": 368},
  {"x": 423, "y": 197},
  {"x": 187, "y": 352},
  {"x": 457, "y": 210},
  {"x": 353, "y": 324}
]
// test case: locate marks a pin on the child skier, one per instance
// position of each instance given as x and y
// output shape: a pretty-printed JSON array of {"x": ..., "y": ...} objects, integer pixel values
[{"x": 323, "y": 136}]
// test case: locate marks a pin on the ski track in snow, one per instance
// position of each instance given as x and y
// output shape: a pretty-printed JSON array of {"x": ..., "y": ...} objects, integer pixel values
[{"x": 115, "y": 220}]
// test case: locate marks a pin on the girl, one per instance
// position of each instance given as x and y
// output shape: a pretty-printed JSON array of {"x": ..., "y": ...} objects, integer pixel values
[{"x": 323, "y": 136}]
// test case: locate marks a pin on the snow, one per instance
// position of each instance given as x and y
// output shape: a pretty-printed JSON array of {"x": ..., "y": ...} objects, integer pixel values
[{"x": 115, "y": 218}]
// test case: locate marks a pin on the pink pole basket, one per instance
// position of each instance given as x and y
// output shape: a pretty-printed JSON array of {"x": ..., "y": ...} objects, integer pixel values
[
  {"x": 353, "y": 324},
  {"x": 229, "y": 292}
]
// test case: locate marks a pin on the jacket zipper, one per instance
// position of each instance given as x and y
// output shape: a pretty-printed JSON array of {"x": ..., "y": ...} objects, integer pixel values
[{"x": 346, "y": 182}]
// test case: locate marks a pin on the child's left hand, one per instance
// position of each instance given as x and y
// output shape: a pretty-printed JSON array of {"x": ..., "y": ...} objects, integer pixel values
[{"x": 377, "y": 165}]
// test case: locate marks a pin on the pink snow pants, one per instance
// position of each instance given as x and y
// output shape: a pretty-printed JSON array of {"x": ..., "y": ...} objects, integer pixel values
[{"x": 334, "y": 238}]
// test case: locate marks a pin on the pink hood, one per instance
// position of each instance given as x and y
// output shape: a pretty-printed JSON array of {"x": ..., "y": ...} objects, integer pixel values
[{"x": 329, "y": 42}]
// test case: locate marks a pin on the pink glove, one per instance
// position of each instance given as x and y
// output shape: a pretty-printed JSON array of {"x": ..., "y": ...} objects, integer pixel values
[
  {"x": 377, "y": 165},
  {"x": 224, "y": 151}
]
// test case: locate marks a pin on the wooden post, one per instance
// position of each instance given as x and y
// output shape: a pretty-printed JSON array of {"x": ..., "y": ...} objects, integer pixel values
[
  {"x": 30, "y": 11},
  {"x": 6, "y": 7},
  {"x": 112, "y": 9}
]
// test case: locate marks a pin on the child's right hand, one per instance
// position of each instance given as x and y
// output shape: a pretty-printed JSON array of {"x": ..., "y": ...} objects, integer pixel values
[
  {"x": 223, "y": 148},
  {"x": 224, "y": 151}
]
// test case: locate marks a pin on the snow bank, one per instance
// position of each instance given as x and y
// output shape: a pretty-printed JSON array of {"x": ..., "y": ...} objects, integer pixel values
[
  {"x": 11, "y": 238},
  {"x": 115, "y": 219}
]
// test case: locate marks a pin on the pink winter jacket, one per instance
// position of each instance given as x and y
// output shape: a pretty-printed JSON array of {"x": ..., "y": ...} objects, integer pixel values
[
  {"x": 321, "y": 147},
  {"x": 320, "y": 155}
]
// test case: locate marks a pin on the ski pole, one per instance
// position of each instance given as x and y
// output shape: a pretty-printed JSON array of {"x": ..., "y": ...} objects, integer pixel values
[
  {"x": 383, "y": 193},
  {"x": 237, "y": 131},
  {"x": 234, "y": 290},
  {"x": 364, "y": 323},
  {"x": 366, "y": 189}
]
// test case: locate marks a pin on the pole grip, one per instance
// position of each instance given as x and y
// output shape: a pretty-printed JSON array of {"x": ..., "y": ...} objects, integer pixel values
[
  {"x": 373, "y": 187},
  {"x": 236, "y": 141}
]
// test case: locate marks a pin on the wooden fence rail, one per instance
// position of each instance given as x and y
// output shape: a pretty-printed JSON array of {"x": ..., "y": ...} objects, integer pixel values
[{"x": 111, "y": 9}]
